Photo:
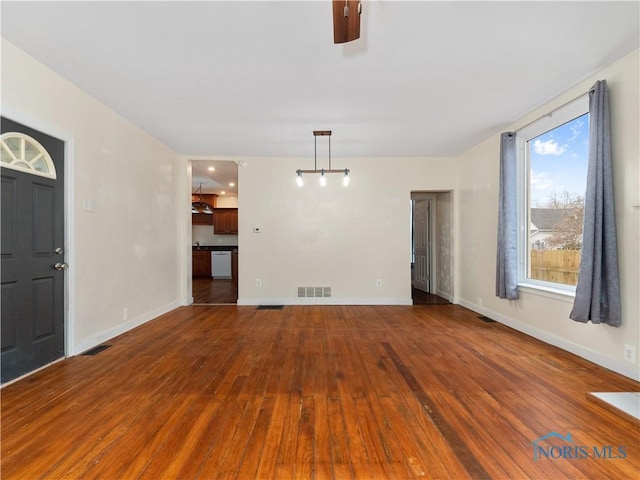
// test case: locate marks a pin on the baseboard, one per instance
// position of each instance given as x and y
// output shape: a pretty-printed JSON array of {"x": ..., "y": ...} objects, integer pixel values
[
  {"x": 324, "y": 301},
  {"x": 445, "y": 295},
  {"x": 623, "y": 368},
  {"x": 121, "y": 328},
  {"x": 187, "y": 301}
]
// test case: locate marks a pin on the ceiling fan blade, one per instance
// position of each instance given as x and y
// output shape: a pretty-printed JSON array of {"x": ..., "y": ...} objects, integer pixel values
[{"x": 346, "y": 20}]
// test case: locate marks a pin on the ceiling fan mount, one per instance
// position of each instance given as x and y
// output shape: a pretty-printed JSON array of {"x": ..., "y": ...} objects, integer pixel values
[{"x": 346, "y": 20}]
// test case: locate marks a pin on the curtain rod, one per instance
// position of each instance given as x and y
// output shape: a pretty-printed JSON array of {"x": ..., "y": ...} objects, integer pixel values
[{"x": 551, "y": 112}]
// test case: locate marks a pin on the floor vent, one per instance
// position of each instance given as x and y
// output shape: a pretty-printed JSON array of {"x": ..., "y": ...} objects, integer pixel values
[
  {"x": 96, "y": 350},
  {"x": 314, "y": 292},
  {"x": 270, "y": 307},
  {"x": 485, "y": 319}
]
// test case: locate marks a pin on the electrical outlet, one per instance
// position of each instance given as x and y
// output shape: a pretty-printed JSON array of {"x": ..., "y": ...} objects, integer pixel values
[
  {"x": 258, "y": 282},
  {"x": 379, "y": 282},
  {"x": 125, "y": 314},
  {"x": 630, "y": 353}
]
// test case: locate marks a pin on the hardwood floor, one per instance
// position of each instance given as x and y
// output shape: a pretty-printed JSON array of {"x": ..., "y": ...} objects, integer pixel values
[
  {"x": 317, "y": 392},
  {"x": 218, "y": 291},
  {"x": 423, "y": 298}
]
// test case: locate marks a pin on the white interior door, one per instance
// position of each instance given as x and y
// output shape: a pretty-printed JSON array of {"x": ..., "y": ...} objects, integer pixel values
[{"x": 422, "y": 257}]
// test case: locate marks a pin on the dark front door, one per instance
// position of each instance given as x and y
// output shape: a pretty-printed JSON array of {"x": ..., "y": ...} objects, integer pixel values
[{"x": 33, "y": 267}]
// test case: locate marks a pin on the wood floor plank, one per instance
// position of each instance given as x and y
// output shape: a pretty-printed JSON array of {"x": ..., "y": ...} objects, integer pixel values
[
  {"x": 339, "y": 440},
  {"x": 267, "y": 459},
  {"x": 305, "y": 447},
  {"x": 315, "y": 392},
  {"x": 285, "y": 458},
  {"x": 322, "y": 438},
  {"x": 358, "y": 454}
]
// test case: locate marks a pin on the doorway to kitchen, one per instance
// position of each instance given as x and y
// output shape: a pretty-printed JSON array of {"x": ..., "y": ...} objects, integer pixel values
[
  {"x": 214, "y": 232},
  {"x": 431, "y": 247}
]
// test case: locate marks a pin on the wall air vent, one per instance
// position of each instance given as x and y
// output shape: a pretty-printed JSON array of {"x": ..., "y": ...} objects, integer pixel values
[{"x": 313, "y": 292}]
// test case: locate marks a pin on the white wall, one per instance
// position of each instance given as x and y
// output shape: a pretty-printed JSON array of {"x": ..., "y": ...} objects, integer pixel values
[
  {"x": 126, "y": 253},
  {"x": 546, "y": 317},
  {"x": 343, "y": 237},
  {"x": 227, "y": 201}
]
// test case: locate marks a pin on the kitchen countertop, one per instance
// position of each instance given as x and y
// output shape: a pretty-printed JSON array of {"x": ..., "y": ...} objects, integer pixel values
[{"x": 215, "y": 248}]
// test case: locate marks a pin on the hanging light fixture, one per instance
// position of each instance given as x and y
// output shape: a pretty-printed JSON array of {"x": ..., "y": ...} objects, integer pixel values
[
  {"x": 201, "y": 206},
  {"x": 323, "y": 171},
  {"x": 323, "y": 179},
  {"x": 345, "y": 179}
]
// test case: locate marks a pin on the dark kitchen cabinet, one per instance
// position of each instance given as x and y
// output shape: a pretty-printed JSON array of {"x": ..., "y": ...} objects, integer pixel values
[
  {"x": 225, "y": 221},
  {"x": 201, "y": 263},
  {"x": 201, "y": 219}
]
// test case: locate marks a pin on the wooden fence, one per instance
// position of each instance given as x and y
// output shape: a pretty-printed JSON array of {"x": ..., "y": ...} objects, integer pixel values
[{"x": 559, "y": 266}]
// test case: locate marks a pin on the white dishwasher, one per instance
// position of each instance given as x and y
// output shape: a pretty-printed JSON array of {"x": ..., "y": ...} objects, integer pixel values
[{"x": 220, "y": 264}]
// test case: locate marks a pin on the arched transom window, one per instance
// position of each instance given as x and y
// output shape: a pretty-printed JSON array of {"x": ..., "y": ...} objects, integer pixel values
[{"x": 23, "y": 153}]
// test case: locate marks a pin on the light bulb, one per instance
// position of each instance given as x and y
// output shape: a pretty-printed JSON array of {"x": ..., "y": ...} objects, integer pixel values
[
  {"x": 345, "y": 179},
  {"x": 323, "y": 179},
  {"x": 299, "y": 178}
]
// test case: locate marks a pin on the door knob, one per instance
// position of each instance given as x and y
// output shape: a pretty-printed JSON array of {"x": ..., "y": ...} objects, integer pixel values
[
  {"x": 61, "y": 266},
  {"x": 59, "y": 251}
]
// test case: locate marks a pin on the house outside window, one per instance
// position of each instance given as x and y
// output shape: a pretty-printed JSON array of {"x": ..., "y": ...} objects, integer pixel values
[{"x": 553, "y": 156}]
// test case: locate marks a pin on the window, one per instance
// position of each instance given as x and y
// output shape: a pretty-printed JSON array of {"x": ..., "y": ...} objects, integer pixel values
[
  {"x": 23, "y": 153},
  {"x": 553, "y": 155}
]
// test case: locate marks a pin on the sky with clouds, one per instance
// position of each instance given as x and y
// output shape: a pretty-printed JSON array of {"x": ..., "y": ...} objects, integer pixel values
[{"x": 558, "y": 161}]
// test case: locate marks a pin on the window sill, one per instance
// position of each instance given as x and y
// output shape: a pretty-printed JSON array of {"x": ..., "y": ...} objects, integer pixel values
[{"x": 560, "y": 294}]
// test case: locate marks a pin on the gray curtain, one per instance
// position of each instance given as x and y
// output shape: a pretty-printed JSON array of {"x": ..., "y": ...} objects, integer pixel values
[
  {"x": 598, "y": 289},
  {"x": 507, "y": 254}
]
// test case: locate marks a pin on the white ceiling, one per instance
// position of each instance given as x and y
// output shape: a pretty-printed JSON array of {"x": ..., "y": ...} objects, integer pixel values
[
  {"x": 216, "y": 181},
  {"x": 256, "y": 78}
]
